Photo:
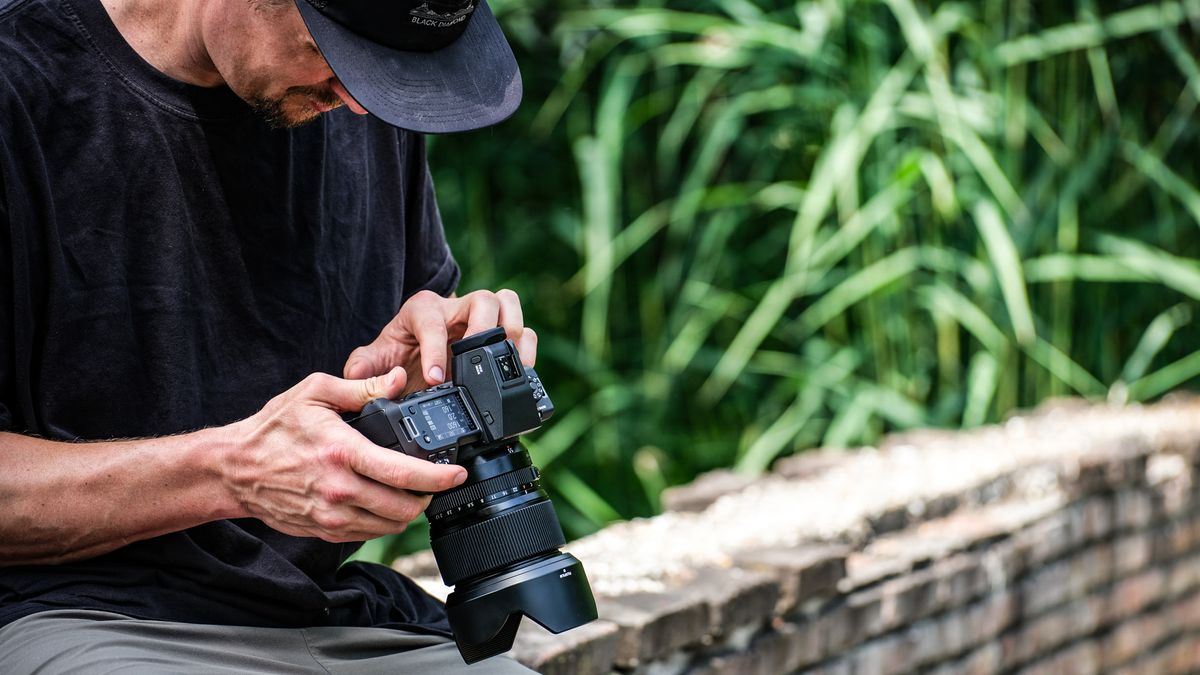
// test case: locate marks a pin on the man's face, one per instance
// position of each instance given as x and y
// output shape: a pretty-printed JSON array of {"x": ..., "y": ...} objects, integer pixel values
[{"x": 267, "y": 57}]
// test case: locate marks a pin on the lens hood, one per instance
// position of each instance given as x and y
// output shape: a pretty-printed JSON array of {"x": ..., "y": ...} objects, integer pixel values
[{"x": 552, "y": 590}]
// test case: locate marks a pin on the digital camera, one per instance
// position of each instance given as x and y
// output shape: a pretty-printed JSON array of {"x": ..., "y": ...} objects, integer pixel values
[{"x": 496, "y": 537}]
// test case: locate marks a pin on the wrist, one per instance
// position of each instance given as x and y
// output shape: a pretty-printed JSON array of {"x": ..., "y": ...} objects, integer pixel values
[{"x": 215, "y": 454}]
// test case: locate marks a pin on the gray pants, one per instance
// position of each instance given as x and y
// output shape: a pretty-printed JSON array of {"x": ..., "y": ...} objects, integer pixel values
[{"x": 86, "y": 641}]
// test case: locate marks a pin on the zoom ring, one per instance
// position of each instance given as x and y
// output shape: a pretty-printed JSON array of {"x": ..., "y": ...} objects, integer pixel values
[
  {"x": 498, "y": 541},
  {"x": 453, "y": 499}
]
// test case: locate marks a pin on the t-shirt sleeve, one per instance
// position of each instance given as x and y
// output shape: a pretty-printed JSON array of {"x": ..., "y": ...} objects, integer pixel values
[
  {"x": 429, "y": 264},
  {"x": 6, "y": 310}
]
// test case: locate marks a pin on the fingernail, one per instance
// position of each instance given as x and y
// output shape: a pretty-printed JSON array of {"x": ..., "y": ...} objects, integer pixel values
[
  {"x": 436, "y": 374},
  {"x": 460, "y": 478}
]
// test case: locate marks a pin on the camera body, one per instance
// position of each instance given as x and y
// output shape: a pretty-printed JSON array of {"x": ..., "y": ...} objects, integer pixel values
[
  {"x": 496, "y": 537},
  {"x": 492, "y": 397}
]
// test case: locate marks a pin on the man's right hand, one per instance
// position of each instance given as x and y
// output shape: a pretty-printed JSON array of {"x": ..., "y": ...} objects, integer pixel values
[{"x": 300, "y": 469}]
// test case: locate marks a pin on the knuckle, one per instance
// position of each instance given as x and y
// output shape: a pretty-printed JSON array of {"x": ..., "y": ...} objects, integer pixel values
[
  {"x": 508, "y": 294},
  {"x": 336, "y": 495},
  {"x": 331, "y": 521},
  {"x": 425, "y": 296},
  {"x": 315, "y": 382},
  {"x": 336, "y": 455}
]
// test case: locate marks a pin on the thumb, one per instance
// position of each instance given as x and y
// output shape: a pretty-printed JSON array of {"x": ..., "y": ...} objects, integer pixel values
[
  {"x": 350, "y": 395},
  {"x": 361, "y": 364}
]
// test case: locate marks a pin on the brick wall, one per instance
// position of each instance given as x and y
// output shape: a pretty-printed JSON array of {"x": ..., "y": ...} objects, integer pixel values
[{"x": 1064, "y": 541}]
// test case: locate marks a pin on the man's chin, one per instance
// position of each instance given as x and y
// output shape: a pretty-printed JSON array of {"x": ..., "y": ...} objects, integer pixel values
[{"x": 284, "y": 114}]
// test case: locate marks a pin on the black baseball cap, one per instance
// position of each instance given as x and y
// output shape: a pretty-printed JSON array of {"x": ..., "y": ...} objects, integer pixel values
[{"x": 432, "y": 66}]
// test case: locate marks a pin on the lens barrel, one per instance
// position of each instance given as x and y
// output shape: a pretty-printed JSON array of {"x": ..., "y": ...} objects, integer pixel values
[{"x": 496, "y": 539}]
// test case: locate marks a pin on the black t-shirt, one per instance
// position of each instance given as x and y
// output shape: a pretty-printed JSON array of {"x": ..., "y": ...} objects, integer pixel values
[{"x": 167, "y": 262}]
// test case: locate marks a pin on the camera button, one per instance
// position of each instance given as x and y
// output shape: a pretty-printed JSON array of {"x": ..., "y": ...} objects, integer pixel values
[{"x": 487, "y": 417}]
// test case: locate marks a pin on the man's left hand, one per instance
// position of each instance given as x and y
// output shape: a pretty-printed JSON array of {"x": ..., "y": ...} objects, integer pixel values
[{"x": 419, "y": 336}]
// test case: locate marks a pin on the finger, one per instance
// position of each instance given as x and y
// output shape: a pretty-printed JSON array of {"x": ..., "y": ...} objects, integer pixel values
[
  {"x": 401, "y": 471},
  {"x": 511, "y": 317},
  {"x": 388, "y": 502},
  {"x": 349, "y": 523},
  {"x": 351, "y": 395},
  {"x": 360, "y": 365},
  {"x": 527, "y": 347},
  {"x": 430, "y": 331},
  {"x": 483, "y": 312}
]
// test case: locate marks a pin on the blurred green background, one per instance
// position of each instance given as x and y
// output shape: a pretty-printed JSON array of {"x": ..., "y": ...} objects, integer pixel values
[{"x": 745, "y": 228}]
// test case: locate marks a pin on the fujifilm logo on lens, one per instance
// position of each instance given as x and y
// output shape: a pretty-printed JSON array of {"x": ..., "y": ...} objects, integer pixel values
[{"x": 496, "y": 537}]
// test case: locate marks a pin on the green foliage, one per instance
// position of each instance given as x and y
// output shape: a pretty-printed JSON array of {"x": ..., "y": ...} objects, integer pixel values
[{"x": 743, "y": 228}]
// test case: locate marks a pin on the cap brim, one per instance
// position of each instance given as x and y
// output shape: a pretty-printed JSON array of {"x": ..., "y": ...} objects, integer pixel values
[{"x": 472, "y": 83}]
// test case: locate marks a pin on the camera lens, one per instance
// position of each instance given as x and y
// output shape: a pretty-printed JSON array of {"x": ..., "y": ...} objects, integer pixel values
[
  {"x": 496, "y": 539},
  {"x": 487, "y": 524}
]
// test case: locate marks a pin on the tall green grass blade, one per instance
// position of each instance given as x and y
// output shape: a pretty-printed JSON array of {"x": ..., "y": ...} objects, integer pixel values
[
  {"x": 586, "y": 500},
  {"x": 949, "y": 302},
  {"x": 1166, "y": 378},
  {"x": 983, "y": 375},
  {"x": 1154, "y": 339},
  {"x": 1153, "y": 168},
  {"x": 1083, "y": 35},
  {"x": 1007, "y": 264}
]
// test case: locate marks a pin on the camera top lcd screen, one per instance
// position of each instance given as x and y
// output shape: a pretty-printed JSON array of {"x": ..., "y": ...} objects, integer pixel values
[{"x": 445, "y": 417}]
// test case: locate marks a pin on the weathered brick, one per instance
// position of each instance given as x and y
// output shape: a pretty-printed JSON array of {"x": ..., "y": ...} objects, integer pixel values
[
  {"x": 1097, "y": 518},
  {"x": 864, "y": 570},
  {"x": 982, "y": 661},
  {"x": 954, "y": 632},
  {"x": 704, "y": 490},
  {"x": 924, "y": 640},
  {"x": 783, "y": 649},
  {"x": 735, "y": 597},
  {"x": 1185, "y": 657},
  {"x": 1132, "y": 594},
  {"x": 908, "y": 598},
  {"x": 590, "y": 649},
  {"x": 1045, "y": 588},
  {"x": 836, "y": 630},
  {"x": 1185, "y": 614},
  {"x": 803, "y": 573},
  {"x": 842, "y": 666},
  {"x": 1183, "y": 577},
  {"x": 960, "y": 580},
  {"x": 1133, "y": 509},
  {"x": 1050, "y": 538},
  {"x": 865, "y": 610},
  {"x": 890, "y": 520},
  {"x": 808, "y": 464},
  {"x": 653, "y": 625},
  {"x": 1042, "y": 635},
  {"x": 1102, "y": 469},
  {"x": 1176, "y": 538},
  {"x": 1132, "y": 553},
  {"x": 1080, "y": 659},
  {"x": 889, "y": 655},
  {"x": 1131, "y": 638}
]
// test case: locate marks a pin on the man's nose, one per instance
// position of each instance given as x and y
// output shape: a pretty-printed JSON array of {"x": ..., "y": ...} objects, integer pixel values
[{"x": 340, "y": 90}]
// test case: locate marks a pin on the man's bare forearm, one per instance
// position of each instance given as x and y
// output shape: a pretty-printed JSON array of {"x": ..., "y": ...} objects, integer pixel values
[
  {"x": 295, "y": 465},
  {"x": 69, "y": 501}
]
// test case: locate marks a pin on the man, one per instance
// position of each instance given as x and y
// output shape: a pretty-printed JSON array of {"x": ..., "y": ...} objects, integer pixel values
[{"x": 187, "y": 229}]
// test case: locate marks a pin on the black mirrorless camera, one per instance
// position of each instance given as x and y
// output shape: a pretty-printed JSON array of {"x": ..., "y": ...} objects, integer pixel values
[{"x": 496, "y": 537}]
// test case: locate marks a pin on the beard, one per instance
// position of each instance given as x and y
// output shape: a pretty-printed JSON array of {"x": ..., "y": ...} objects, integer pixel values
[{"x": 294, "y": 107}]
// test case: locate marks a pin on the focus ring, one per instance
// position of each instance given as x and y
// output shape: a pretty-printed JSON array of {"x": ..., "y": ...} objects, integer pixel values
[
  {"x": 498, "y": 541},
  {"x": 452, "y": 499}
]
